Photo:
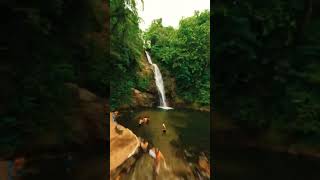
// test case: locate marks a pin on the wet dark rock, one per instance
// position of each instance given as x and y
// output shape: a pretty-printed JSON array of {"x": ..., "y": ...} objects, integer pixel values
[{"x": 142, "y": 99}]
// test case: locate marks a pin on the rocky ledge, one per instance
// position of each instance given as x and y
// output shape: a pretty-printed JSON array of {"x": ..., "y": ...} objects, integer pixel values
[{"x": 123, "y": 144}]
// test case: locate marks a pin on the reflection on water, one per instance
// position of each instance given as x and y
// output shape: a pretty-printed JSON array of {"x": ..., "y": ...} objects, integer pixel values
[{"x": 188, "y": 134}]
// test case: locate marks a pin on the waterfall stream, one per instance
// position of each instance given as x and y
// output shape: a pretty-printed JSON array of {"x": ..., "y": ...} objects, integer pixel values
[{"x": 159, "y": 83}]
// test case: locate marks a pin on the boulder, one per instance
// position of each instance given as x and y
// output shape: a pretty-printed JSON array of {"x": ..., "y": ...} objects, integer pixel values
[
  {"x": 122, "y": 145},
  {"x": 142, "y": 99}
]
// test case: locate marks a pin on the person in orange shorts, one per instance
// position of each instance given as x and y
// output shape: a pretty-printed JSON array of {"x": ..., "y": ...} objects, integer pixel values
[{"x": 158, "y": 156}]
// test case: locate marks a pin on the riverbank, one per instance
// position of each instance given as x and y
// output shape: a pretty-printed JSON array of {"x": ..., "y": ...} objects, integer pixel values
[
  {"x": 178, "y": 103},
  {"x": 227, "y": 133}
]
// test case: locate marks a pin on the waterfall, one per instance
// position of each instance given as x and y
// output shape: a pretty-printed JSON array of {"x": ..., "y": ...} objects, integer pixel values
[{"x": 159, "y": 83}]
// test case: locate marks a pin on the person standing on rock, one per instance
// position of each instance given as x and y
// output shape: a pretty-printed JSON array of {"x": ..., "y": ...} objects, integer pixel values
[{"x": 114, "y": 115}]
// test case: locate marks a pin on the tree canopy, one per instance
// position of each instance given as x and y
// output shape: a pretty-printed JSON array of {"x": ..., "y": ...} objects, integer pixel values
[
  {"x": 126, "y": 49},
  {"x": 185, "y": 53}
]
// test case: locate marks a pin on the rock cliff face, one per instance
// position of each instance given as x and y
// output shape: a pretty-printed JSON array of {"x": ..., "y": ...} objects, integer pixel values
[
  {"x": 142, "y": 99},
  {"x": 149, "y": 97},
  {"x": 84, "y": 125}
]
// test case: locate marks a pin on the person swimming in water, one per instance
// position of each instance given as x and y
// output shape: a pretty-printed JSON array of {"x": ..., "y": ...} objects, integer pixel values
[
  {"x": 141, "y": 121},
  {"x": 146, "y": 119}
]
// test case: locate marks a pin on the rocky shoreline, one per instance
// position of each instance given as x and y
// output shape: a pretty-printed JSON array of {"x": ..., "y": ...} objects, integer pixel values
[
  {"x": 123, "y": 144},
  {"x": 142, "y": 99}
]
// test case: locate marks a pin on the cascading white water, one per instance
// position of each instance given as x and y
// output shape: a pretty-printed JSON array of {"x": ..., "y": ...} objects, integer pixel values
[{"x": 159, "y": 83}]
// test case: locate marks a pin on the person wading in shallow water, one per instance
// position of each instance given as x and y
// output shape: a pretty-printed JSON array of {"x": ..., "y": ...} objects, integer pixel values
[
  {"x": 164, "y": 128},
  {"x": 144, "y": 145},
  {"x": 141, "y": 122}
]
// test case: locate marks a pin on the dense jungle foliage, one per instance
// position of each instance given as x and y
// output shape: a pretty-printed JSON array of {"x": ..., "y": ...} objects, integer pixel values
[
  {"x": 185, "y": 53},
  {"x": 45, "y": 45},
  {"x": 125, "y": 51},
  {"x": 267, "y": 64}
]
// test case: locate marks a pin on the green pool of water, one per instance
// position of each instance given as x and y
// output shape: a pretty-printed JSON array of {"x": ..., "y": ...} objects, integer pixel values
[{"x": 188, "y": 135}]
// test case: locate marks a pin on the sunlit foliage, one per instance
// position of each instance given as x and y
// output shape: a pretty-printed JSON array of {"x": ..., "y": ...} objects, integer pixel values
[{"x": 185, "y": 53}]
